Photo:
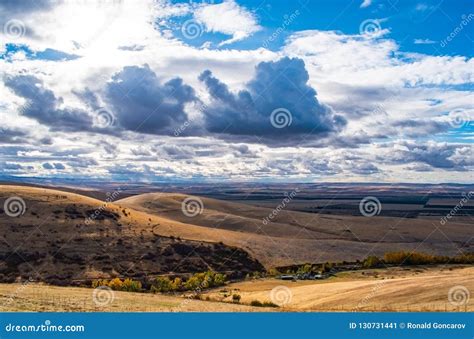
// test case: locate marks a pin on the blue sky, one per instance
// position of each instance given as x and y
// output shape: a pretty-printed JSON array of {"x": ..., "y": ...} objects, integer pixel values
[
  {"x": 366, "y": 90},
  {"x": 407, "y": 21}
]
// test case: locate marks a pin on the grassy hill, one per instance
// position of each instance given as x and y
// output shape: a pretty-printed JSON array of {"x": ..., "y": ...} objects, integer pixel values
[
  {"x": 65, "y": 238},
  {"x": 296, "y": 237}
]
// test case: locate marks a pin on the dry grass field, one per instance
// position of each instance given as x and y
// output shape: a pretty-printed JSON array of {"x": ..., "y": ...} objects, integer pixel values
[
  {"x": 395, "y": 289},
  {"x": 56, "y": 241},
  {"x": 297, "y": 237},
  {"x": 44, "y": 298}
]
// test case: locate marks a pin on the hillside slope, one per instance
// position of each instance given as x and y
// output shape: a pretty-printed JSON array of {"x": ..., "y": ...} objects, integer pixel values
[
  {"x": 60, "y": 237},
  {"x": 295, "y": 237}
]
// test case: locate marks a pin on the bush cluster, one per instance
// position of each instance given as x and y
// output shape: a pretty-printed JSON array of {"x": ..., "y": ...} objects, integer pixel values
[
  {"x": 198, "y": 281},
  {"x": 415, "y": 258},
  {"x": 117, "y": 284}
]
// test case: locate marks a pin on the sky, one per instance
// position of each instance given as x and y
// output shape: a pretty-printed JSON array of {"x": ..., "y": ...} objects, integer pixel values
[{"x": 233, "y": 90}]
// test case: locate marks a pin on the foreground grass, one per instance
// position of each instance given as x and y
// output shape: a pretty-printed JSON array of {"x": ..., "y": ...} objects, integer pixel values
[
  {"x": 44, "y": 298},
  {"x": 398, "y": 289},
  {"x": 394, "y": 289}
]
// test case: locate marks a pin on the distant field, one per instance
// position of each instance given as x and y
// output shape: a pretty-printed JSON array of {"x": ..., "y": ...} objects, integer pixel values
[
  {"x": 395, "y": 289},
  {"x": 294, "y": 237}
]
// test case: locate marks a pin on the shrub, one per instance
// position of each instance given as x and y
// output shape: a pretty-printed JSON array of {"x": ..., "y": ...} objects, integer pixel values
[
  {"x": 269, "y": 304},
  {"x": 205, "y": 280},
  {"x": 272, "y": 272},
  {"x": 130, "y": 285},
  {"x": 162, "y": 284},
  {"x": 371, "y": 262},
  {"x": 119, "y": 285},
  {"x": 257, "y": 303},
  {"x": 116, "y": 284},
  {"x": 236, "y": 298}
]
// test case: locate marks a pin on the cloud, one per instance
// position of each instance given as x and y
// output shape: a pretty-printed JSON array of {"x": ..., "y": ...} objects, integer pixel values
[
  {"x": 141, "y": 102},
  {"x": 366, "y": 3},
  {"x": 423, "y": 42},
  {"x": 43, "y": 106},
  {"x": 435, "y": 154},
  {"x": 280, "y": 86},
  {"x": 56, "y": 165},
  {"x": 228, "y": 18}
]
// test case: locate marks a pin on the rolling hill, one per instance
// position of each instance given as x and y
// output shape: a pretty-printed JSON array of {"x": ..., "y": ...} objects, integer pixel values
[
  {"x": 295, "y": 237},
  {"x": 63, "y": 238}
]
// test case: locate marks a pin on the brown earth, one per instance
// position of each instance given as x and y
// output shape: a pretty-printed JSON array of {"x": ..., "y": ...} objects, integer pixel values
[{"x": 55, "y": 240}]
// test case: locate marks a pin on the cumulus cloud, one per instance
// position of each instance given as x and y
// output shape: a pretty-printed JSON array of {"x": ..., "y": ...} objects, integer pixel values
[
  {"x": 42, "y": 105},
  {"x": 228, "y": 18},
  {"x": 280, "y": 86},
  {"x": 435, "y": 154},
  {"x": 141, "y": 102}
]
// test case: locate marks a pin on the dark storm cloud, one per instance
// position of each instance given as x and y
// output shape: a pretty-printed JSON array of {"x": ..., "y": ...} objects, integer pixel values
[
  {"x": 282, "y": 84},
  {"x": 42, "y": 105},
  {"x": 441, "y": 155},
  {"x": 142, "y": 103},
  {"x": 56, "y": 165},
  {"x": 12, "y": 136}
]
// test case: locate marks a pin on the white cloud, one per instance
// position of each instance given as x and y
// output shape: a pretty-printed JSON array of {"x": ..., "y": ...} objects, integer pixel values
[
  {"x": 423, "y": 42},
  {"x": 387, "y": 96},
  {"x": 228, "y": 18},
  {"x": 366, "y": 3}
]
